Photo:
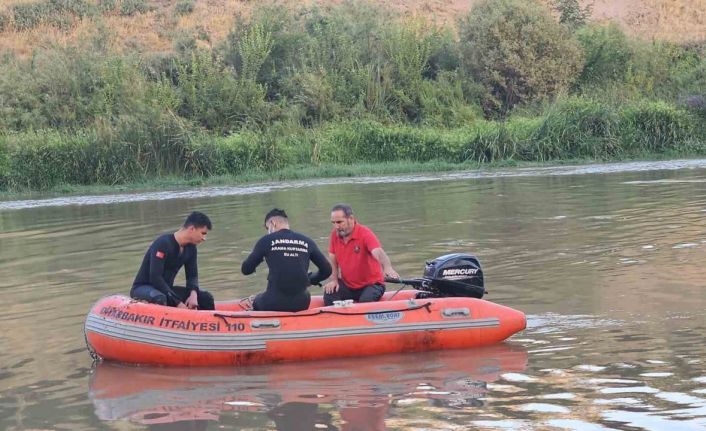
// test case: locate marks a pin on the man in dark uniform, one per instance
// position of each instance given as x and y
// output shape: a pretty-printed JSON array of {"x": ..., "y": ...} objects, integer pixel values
[
  {"x": 155, "y": 280},
  {"x": 287, "y": 254}
]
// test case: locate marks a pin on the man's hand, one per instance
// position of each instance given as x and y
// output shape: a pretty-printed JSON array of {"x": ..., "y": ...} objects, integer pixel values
[
  {"x": 181, "y": 305},
  {"x": 392, "y": 274},
  {"x": 192, "y": 302},
  {"x": 331, "y": 286},
  {"x": 310, "y": 275}
]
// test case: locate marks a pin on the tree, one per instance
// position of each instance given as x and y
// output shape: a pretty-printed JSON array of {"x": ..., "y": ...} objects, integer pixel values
[
  {"x": 518, "y": 52},
  {"x": 571, "y": 14}
]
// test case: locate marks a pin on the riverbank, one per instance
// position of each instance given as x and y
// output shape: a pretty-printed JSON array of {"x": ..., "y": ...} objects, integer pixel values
[{"x": 173, "y": 187}]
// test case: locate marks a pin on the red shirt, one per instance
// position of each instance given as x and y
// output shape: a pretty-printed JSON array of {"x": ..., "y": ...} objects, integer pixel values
[{"x": 358, "y": 266}]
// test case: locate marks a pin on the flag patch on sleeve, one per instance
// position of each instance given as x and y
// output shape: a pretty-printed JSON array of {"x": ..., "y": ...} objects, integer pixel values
[{"x": 159, "y": 254}]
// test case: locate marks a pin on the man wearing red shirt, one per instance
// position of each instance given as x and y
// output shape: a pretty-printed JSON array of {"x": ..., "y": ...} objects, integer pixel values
[{"x": 359, "y": 263}]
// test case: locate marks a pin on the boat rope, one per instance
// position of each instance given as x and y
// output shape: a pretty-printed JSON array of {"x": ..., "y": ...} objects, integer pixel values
[
  {"x": 426, "y": 305},
  {"x": 91, "y": 351},
  {"x": 396, "y": 292}
]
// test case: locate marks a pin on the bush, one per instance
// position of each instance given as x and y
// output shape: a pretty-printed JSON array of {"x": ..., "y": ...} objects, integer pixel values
[
  {"x": 62, "y": 21},
  {"x": 370, "y": 141},
  {"x": 314, "y": 94},
  {"x": 276, "y": 148},
  {"x": 442, "y": 102},
  {"x": 655, "y": 127},
  {"x": 697, "y": 104},
  {"x": 345, "y": 46},
  {"x": 407, "y": 51},
  {"x": 184, "y": 7},
  {"x": 608, "y": 55},
  {"x": 78, "y": 8},
  {"x": 668, "y": 71},
  {"x": 67, "y": 88},
  {"x": 444, "y": 55},
  {"x": 44, "y": 159},
  {"x": 132, "y": 7},
  {"x": 518, "y": 51},
  {"x": 576, "y": 128},
  {"x": 4, "y": 21},
  {"x": 487, "y": 141},
  {"x": 214, "y": 97},
  {"x": 105, "y": 6},
  {"x": 29, "y": 15},
  {"x": 58, "y": 13},
  {"x": 571, "y": 14},
  {"x": 4, "y": 163}
]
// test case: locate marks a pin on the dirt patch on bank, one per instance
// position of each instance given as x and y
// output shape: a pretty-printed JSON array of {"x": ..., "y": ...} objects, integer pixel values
[{"x": 159, "y": 29}]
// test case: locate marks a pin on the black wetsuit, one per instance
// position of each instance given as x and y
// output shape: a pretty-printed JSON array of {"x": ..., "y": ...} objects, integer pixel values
[
  {"x": 287, "y": 254},
  {"x": 155, "y": 279}
]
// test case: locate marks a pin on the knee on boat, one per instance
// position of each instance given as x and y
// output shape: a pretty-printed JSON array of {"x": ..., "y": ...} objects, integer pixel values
[
  {"x": 158, "y": 298},
  {"x": 206, "y": 302}
]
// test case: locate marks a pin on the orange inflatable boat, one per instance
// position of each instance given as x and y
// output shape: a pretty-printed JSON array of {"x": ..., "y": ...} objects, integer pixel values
[
  {"x": 439, "y": 314},
  {"x": 121, "y": 329}
]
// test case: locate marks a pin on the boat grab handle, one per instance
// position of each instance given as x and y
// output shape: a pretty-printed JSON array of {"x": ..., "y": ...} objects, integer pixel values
[
  {"x": 456, "y": 312},
  {"x": 262, "y": 324}
]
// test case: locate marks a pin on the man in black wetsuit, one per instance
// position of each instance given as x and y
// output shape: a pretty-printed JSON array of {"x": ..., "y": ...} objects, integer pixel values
[
  {"x": 155, "y": 280},
  {"x": 287, "y": 254}
]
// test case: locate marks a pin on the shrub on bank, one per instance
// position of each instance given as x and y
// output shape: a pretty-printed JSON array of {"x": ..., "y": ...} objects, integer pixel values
[
  {"x": 5, "y": 21},
  {"x": 132, "y": 7},
  {"x": 212, "y": 96},
  {"x": 184, "y": 7},
  {"x": 519, "y": 52},
  {"x": 576, "y": 128},
  {"x": 59, "y": 13},
  {"x": 370, "y": 141},
  {"x": 608, "y": 55},
  {"x": 4, "y": 163},
  {"x": 43, "y": 159},
  {"x": 130, "y": 150},
  {"x": 30, "y": 15},
  {"x": 655, "y": 127}
]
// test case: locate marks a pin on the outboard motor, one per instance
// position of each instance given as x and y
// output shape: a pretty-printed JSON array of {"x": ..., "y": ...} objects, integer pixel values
[{"x": 457, "y": 274}]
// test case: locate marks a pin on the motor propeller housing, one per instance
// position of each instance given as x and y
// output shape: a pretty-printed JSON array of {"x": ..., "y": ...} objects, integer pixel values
[{"x": 457, "y": 274}]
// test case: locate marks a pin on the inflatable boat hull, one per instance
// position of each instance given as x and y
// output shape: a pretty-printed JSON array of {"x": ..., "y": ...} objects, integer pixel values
[{"x": 121, "y": 329}]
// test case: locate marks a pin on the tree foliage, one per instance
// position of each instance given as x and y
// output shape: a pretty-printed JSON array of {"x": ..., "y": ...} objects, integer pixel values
[{"x": 518, "y": 52}]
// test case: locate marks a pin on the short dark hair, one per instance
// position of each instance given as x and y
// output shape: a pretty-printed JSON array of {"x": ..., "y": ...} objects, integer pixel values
[
  {"x": 347, "y": 210},
  {"x": 275, "y": 212},
  {"x": 198, "y": 219}
]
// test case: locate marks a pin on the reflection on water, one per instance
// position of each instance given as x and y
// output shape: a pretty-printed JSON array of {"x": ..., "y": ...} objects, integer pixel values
[
  {"x": 359, "y": 392},
  {"x": 607, "y": 262}
]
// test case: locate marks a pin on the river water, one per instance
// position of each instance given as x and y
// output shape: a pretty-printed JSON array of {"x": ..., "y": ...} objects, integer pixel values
[{"x": 607, "y": 261}]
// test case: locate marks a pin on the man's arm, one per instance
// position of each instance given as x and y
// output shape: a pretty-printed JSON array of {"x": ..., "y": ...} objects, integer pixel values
[
  {"x": 380, "y": 255},
  {"x": 192, "y": 281},
  {"x": 255, "y": 257},
  {"x": 332, "y": 285},
  {"x": 321, "y": 262},
  {"x": 192, "y": 272},
  {"x": 158, "y": 254}
]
